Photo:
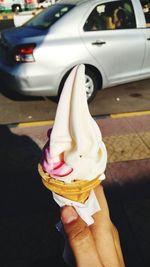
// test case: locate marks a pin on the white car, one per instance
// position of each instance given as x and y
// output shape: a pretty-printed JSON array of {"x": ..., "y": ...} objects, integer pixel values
[
  {"x": 111, "y": 37},
  {"x": 44, "y": 4},
  {"x": 17, "y": 5}
]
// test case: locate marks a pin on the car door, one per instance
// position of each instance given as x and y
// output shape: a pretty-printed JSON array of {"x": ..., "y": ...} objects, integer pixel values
[
  {"x": 118, "y": 50},
  {"x": 145, "y": 14}
]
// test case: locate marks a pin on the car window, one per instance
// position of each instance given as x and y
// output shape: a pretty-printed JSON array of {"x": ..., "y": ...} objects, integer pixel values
[
  {"x": 110, "y": 16},
  {"x": 146, "y": 11},
  {"x": 48, "y": 17}
]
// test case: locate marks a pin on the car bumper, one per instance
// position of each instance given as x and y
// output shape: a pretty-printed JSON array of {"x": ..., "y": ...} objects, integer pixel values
[{"x": 28, "y": 85}]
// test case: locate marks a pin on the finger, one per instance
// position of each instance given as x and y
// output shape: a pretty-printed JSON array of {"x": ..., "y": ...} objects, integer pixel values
[
  {"x": 118, "y": 245},
  {"x": 105, "y": 216},
  {"x": 80, "y": 239},
  {"x": 105, "y": 235},
  {"x": 99, "y": 192}
]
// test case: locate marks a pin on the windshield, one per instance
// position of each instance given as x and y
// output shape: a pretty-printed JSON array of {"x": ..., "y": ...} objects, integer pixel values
[{"x": 49, "y": 16}]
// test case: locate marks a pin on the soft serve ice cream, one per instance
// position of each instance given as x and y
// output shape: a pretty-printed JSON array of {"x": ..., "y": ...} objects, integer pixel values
[{"x": 75, "y": 150}]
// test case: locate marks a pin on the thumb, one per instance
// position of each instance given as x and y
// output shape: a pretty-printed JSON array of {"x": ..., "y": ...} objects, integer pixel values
[{"x": 80, "y": 238}]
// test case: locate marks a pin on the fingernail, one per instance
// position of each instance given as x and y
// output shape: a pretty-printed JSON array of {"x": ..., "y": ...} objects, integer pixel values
[{"x": 68, "y": 215}]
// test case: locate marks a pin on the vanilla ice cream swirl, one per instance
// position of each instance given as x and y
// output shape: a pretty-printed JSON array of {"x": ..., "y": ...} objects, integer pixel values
[{"x": 75, "y": 150}]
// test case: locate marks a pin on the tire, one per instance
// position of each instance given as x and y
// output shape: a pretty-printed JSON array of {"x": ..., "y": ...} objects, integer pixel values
[
  {"x": 16, "y": 8},
  {"x": 91, "y": 84}
]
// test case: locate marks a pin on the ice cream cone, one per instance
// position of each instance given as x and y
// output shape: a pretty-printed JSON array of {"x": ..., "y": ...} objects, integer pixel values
[{"x": 77, "y": 190}]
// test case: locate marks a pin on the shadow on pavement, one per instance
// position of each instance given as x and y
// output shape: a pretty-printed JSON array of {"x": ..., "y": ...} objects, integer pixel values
[
  {"x": 28, "y": 213},
  {"x": 16, "y": 96},
  {"x": 129, "y": 205}
]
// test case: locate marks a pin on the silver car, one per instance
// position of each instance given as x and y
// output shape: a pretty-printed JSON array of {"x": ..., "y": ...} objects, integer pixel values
[{"x": 111, "y": 38}]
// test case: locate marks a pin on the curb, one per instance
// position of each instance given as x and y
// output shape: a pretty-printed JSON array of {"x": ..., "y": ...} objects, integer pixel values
[
  {"x": 6, "y": 16},
  {"x": 130, "y": 114},
  {"x": 30, "y": 124},
  {"x": 50, "y": 122}
]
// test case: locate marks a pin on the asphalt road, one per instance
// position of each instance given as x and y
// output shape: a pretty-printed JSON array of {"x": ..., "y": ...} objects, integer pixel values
[
  {"x": 126, "y": 98},
  {"x": 6, "y": 23}
]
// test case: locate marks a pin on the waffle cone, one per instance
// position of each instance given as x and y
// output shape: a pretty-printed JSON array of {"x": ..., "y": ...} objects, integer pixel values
[{"x": 77, "y": 190}]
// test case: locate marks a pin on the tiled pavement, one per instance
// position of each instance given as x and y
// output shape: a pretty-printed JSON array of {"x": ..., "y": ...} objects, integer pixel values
[{"x": 28, "y": 214}]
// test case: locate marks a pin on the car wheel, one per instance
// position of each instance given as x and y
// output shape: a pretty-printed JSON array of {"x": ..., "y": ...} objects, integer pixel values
[
  {"x": 16, "y": 8},
  {"x": 91, "y": 84}
]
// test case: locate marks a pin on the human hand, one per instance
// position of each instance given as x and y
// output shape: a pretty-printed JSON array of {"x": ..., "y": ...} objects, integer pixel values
[{"x": 96, "y": 245}]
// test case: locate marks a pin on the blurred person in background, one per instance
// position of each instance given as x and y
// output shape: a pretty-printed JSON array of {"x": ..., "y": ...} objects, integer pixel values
[{"x": 146, "y": 10}]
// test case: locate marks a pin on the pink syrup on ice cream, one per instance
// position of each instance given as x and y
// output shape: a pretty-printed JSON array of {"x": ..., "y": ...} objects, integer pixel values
[{"x": 55, "y": 167}]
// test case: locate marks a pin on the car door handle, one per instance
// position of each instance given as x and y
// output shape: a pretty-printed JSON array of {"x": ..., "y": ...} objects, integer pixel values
[
  {"x": 148, "y": 39},
  {"x": 99, "y": 43}
]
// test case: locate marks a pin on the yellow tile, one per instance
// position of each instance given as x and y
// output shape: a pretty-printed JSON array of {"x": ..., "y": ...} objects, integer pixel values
[
  {"x": 4, "y": 16},
  {"x": 126, "y": 147},
  {"x": 146, "y": 138},
  {"x": 10, "y": 16}
]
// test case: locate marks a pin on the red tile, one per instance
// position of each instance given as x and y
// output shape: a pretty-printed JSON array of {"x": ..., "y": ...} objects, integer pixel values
[{"x": 111, "y": 126}]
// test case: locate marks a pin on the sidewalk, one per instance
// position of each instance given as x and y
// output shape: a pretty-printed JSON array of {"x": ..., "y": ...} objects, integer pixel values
[{"x": 28, "y": 213}]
